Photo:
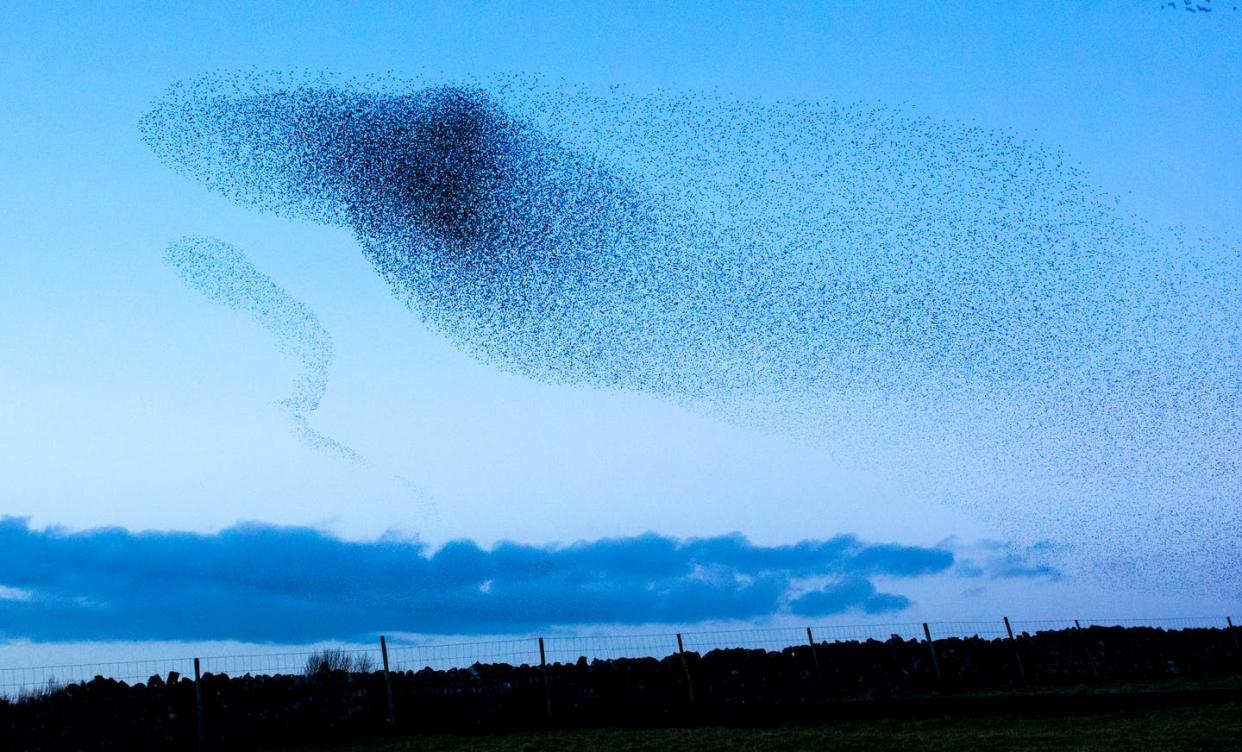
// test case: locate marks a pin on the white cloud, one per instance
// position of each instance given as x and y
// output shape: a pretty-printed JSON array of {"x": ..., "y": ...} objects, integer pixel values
[{"x": 14, "y": 594}]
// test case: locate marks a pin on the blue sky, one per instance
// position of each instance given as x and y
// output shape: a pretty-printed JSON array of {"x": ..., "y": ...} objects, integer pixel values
[{"x": 129, "y": 400}]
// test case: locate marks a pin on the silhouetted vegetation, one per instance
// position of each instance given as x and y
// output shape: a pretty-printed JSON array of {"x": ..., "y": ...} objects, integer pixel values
[
  {"x": 1067, "y": 672},
  {"x": 38, "y": 693},
  {"x": 332, "y": 659}
]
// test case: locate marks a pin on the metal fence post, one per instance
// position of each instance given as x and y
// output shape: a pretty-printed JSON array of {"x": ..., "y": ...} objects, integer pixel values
[
  {"x": 685, "y": 666},
  {"x": 931, "y": 646},
  {"x": 392, "y": 713},
  {"x": 1086, "y": 648},
  {"x": 201, "y": 736},
  {"x": 1016, "y": 653},
  {"x": 819, "y": 674},
  {"x": 547, "y": 691}
]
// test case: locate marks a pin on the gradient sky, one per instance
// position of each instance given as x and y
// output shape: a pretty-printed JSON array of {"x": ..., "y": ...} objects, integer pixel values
[{"x": 128, "y": 400}]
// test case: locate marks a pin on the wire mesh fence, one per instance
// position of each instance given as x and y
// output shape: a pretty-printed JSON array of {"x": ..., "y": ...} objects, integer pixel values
[
  {"x": 534, "y": 651},
  {"x": 609, "y": 647},
  {"x": 270, "y": 664},
  {"x": 16, "y": 682},
  {"x": 987, "y": 630},
  {"x": 1034, "y": 626},
  {"x": 462, "y": 654}
]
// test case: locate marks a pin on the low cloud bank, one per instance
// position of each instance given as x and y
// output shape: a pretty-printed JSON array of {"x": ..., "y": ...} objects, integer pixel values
[
  {"x": 263, "y": 583},
  {"x": 1001, "y": 560}
]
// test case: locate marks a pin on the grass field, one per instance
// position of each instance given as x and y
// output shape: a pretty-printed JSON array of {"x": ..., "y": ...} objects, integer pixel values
[{"x": 1213, "y": 727}]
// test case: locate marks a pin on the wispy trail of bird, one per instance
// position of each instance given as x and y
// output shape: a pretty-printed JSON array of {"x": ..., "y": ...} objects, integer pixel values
[
  {"x": 223, "y": 274},
  {"x": 947, "y": 302}
]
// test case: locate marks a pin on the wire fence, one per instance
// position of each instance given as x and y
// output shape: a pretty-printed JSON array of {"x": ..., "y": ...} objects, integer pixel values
[{"x": 533, "y": 651}]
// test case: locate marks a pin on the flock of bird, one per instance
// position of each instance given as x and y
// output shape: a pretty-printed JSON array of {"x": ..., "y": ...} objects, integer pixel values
[
  {"x": 1193, "y": 6},
  {"x": 224, "y": 275},
  {"x": 942, "y": 302}
]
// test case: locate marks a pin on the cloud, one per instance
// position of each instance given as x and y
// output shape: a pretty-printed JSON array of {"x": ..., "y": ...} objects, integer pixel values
[
  {"x": 850, "y": 592},
  {"x": 292, "y": 584},
  {"x": 998, "y": 559},
  {"x": 13, "y": 594}
]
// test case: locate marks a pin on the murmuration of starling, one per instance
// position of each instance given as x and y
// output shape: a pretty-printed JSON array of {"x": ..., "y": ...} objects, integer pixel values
[{"x": 952, "y": 304}]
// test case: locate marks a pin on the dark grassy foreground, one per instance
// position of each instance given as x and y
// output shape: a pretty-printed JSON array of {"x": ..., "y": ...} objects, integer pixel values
[{"x": 1209, "y": 727}]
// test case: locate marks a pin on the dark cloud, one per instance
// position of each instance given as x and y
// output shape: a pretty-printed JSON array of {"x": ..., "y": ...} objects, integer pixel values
[
  {"x": 857, "y": 591},
  {"x": 290, "y": 584}
]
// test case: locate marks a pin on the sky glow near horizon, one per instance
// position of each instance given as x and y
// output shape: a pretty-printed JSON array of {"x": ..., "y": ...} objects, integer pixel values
[{"x": 138, "y": 403}]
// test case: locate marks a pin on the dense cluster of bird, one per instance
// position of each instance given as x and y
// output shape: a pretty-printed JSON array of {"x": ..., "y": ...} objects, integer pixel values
[
  {"x": 223, "y": 274},
  {"x": 1195, "y": 6},
  {"x": 942, "y": 301}
]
